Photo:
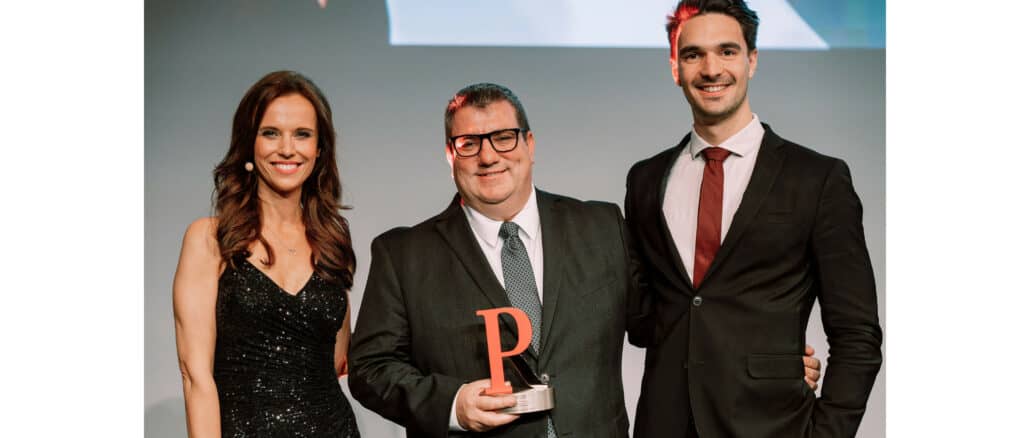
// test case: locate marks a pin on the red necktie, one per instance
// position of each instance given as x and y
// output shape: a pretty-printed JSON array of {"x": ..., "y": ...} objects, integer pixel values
[{"x": 709, "y": 213}]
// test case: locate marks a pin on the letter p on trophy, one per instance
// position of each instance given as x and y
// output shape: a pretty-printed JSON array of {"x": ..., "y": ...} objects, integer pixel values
[{"x": 534, "y": 395}]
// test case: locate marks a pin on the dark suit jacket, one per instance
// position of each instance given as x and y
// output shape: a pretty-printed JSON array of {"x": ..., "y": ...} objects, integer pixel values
[
  {"x": 732, "y": 348},
  {"x": 418, "y": 337}
]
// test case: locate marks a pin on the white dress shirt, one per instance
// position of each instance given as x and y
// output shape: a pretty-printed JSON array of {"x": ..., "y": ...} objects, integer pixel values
[
  {"x": 683, "y": 190},
  {"x": 487, "y": 232}
]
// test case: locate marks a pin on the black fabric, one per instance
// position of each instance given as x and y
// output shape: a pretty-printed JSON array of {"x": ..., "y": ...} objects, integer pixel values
[
  {"x": 418, "y": 337},
  {"x": 273, "y": 364},
  {"x": 733, "y": 358}
]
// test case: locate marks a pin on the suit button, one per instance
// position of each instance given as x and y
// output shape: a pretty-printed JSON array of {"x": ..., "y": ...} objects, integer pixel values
[{"x": 697, "y": 301}]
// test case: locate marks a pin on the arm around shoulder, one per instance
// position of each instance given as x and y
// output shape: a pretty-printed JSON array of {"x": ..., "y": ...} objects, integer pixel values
[{"x": 194, "y": 293}]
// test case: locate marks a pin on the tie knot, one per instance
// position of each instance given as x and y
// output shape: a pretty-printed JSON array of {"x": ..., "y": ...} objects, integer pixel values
[
  {"x": 509, "y": 229},
  {"x": 715, "y": 154}
]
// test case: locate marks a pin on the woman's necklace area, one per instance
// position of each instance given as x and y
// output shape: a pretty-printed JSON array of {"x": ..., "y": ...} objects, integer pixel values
[{"x": 292, "y": 249}]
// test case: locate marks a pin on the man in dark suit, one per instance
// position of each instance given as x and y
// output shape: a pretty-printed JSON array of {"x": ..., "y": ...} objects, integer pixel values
[
  {"x": 739, "y": 232},
  {"x": 418, "y": 355}
]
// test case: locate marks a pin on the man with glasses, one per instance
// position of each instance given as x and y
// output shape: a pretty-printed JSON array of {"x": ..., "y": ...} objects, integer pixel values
[{"x": 418, "y": 355}]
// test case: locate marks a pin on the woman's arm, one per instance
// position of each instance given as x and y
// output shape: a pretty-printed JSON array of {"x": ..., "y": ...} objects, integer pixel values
[
  {"x": 194, "y": 293},
  {"x": 342, "y": 344}
]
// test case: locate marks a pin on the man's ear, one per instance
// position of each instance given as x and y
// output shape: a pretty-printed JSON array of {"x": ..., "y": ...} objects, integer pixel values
[
  {"x": 449, "y": 154},
  {"x": 752, "y": 59},
  {"x": 675, "y": 68},
  {"x": 530, "y": 145}
]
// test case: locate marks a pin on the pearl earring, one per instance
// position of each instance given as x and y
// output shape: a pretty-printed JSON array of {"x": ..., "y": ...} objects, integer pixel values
[{"x": 249, "y": 166}]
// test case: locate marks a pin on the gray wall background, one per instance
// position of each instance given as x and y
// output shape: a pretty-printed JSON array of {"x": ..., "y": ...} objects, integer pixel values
[{"x": 594, "y": 112}]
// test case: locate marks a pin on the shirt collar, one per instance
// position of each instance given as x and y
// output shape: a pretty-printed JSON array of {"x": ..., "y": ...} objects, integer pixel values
[
  {"x": 488, "y": 230},
  {"x": 744, "y": 142}
]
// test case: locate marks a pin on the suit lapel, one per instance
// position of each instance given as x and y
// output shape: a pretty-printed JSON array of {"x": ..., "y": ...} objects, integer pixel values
[
  {"x": 456, "y": 231},
  {"x": 554, "y": 252},
  {"x": 767, "y": 169},
  {"x": 670, "y": 244}
]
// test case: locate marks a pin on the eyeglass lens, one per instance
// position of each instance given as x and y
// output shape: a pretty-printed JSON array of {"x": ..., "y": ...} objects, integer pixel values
[{"x": 503, "y": 141}]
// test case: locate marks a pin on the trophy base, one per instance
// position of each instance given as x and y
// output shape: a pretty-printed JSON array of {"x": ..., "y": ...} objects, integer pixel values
[{"x": 536, "y": 398}]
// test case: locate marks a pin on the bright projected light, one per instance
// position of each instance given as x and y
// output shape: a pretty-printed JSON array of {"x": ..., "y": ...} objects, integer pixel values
[{"x": 785, "y": 24}]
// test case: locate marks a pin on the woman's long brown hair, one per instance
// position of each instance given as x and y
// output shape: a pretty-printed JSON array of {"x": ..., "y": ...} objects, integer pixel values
[{"x": 235, "y": 196}]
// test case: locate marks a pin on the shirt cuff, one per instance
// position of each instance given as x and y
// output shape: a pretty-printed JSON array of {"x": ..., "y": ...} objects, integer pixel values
[{"x": 455, "y": 427}]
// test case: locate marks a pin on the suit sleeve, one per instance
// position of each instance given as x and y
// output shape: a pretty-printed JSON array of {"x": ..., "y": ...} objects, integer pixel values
[
  {"x": 640, "y": 318},
  {"x": 848, "y": 306},
  {"x": 383, "y": 376}
]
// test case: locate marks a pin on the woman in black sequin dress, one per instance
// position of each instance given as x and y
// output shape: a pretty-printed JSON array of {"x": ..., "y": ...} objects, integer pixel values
[{"x": 262, "y": 320}]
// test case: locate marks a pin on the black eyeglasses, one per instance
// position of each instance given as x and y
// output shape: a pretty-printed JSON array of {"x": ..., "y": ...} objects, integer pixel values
[{"x": 502, "y": 140}]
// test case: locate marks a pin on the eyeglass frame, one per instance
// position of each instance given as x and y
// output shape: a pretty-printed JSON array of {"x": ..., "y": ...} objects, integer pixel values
[{"x": 518, "y": 131}]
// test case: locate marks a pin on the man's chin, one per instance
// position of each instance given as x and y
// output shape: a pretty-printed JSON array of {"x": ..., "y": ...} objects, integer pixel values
[
  {"x": 484, "y": 199},
  {"x": 493, "y": 200},
  {"x": 710, "y": 115}
]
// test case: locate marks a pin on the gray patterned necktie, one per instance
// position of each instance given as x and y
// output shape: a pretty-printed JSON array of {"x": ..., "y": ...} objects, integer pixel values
[
  {"x": 520, "y": 284},
  {"x": 519, "y": 281}
]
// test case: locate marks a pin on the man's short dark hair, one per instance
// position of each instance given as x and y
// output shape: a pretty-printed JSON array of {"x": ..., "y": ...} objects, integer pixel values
[
  {"x": 737, "y": 9},
  {"x": 480, "y": 95}
]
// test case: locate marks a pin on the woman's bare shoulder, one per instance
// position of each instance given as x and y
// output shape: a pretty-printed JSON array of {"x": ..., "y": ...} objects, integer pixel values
[{"x": 200, "y": 237}]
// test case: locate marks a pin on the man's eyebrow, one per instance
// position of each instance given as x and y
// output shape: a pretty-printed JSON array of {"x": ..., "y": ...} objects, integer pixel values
[
  {"x": 696, "y": 48},
  {"x": 688, "y": 49}
]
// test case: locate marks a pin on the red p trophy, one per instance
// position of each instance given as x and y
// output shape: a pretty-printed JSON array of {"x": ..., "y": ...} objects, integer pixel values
[{"x": 539, "y": 396}]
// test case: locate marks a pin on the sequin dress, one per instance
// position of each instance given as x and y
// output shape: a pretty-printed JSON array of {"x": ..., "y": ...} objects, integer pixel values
[{"x": 274, "y": 357}]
